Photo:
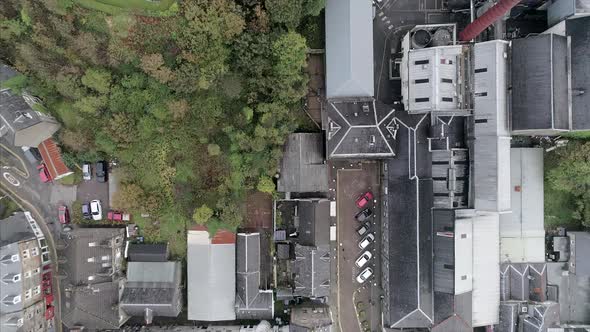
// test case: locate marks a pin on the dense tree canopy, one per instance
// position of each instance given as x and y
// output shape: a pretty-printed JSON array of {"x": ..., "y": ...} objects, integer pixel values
[{"x": 195, "y": 105}]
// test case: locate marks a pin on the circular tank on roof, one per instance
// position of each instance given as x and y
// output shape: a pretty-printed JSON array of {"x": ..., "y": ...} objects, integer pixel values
[
  {"x": 421, "y": 38},
  {"x": 442, "y": 37}
]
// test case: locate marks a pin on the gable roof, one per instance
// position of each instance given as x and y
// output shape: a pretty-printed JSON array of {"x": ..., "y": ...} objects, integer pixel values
[
  {"x": 211, "y": 275},
  {"x": 349, "y": 48},
  {"x": 314, "y": 222},
  {"x": 311, "y": 270},
  {"x": 303, "y": 167},
  {"x": 578, "y": 30},
  {"x": 360, "y": 128},
  {"x": 251, "y": 301},
  {"x": 157, "y": 252},
  {"x": 52, "y": 159},
  {"x": 95, "y": 307}
]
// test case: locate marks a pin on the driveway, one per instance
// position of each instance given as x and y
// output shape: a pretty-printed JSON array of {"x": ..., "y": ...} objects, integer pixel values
[
  {"x": 358, "y": 304},
  {"x": 91, "y": 190}
]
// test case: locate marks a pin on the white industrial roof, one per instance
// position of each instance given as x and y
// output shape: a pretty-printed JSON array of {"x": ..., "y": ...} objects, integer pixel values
[
  {"x": 211, "y": 278},
  {"x": 463, "y": 254},
  {"x": 486, "y": 268},
  {"x": 523, "y": 235},
  {"x": 349, "y": 48}
]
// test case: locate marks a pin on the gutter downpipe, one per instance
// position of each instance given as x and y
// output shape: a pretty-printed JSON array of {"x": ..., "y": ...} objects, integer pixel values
[{"x": 488, "y": 18}]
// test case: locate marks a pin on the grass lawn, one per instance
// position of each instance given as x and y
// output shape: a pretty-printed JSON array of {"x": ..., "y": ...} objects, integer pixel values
[
  {"x": 585, "y": 134},
  {"x": 114, "y": 7},
  {"x": 67, "y": 115},
  {"x": 72, "y": 179},
  {"x": 7, "y": 207}
]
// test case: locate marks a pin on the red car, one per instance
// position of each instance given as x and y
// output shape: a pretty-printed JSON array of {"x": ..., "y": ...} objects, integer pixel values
[
  {"x": 49, "y": 312},
  {"x": 43, "y": 173},
  {"x": 115, "y": 216},
  {"x": 364, "y": 199},
  {"x": 46, "y": 281},
  {"x": 64, "y": 214}
]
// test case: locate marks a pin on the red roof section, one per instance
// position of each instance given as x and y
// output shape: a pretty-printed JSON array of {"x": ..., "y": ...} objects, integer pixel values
[
  {"x": 222, "y": 236},
  {"x": 52, "y": 159}
]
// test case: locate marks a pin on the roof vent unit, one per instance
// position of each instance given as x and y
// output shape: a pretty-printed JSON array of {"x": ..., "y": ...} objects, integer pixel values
[
  {"x": 11, "y": 278},
  {"x": 9, "y": 259},
  {"x": 365, "y": 108},
  {"x": 91, "y": 260},
  {"x": 92, "y": 244},
  {"x": 90, "y": 278},
  {"x": 421, "y": 38},
  {"x": 372, "y": 140}
]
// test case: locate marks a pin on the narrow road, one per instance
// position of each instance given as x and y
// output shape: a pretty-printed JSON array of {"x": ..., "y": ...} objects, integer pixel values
[{"x": 19, "y": 183}]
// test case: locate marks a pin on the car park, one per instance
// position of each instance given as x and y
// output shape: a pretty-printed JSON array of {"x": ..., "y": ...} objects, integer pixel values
[
  {"x": 86, "y": 172},
  {"x": 364, "y": 229},
  {"x": 363, "y": 259},
  {"x": 363, "y": 215},
  {"x": 364, "y": 199},
  {"x": 364, "y": 275},
  {"x": 96, "y": 210},
  {"x": 43, "y": 173},
  {"x": 101, "y": 169},
  {"x": 86, "y": 211},
  {"x": 366, "y": 241}
]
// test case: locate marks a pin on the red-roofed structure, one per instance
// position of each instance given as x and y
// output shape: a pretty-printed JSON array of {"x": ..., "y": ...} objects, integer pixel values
[
  {"x": 222, "y": 236},
  {"x": 52, "y": 159}
]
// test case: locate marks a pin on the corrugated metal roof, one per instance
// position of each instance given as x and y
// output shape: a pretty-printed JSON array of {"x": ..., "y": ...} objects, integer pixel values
[
  {"x": 491, "y": 173},
  {"x": 211, "y": 270},
  {"x": 349, "y": 48},
  {"x": 52, "y": 159}
]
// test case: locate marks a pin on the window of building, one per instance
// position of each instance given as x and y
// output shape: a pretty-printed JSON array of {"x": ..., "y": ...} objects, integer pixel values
[
  {"x": 36, "y": 271},
  {"x": 25, "y": 254},
  {"x": 35, "y": 252},
  {"x": 27, "y": 274},
  {"x": 37, "y": 290},
  {"x": 28, "y": 294},
  {"x": 16, "y": 278}
]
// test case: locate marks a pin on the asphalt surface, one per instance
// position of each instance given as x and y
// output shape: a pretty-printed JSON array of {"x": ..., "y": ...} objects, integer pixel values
[
  {"x": 91, "y": 190},
  {"x": 21, "y": 183},
  {"x": 352, "y": 180}
]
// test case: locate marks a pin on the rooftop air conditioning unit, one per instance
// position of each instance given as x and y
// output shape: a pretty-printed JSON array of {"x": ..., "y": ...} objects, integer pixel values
[{"x": 366, "y": 108}]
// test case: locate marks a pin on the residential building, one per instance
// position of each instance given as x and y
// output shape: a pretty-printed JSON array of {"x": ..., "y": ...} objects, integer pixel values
[
  {"x": 303, "y": 167},
  {"x": 91, "y": 289},
  {"x": 211, "y": 275},
  {"x": 152, "y": 289},
  {"x": 20, "y": 124},
  {"x": 253, "y": 301},
  {"x": 22, "y": 246}
]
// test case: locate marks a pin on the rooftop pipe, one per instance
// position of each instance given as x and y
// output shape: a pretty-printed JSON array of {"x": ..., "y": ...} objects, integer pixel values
[{"x": 488, "y": 18}]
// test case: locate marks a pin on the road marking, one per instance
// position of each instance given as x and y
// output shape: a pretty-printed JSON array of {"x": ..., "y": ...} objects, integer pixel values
[
  {"x": 11, "y": 179},
  {"x": 25, "y": 173}
]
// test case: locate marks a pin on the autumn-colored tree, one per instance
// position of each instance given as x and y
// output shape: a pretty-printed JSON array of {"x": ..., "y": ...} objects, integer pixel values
[
  {"x": 153, "y": 64},
  {"x": 202, "y": 214}
]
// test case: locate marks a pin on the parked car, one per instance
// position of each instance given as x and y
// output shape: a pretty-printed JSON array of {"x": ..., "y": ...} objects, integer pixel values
[
  {"x": 46, "y": 281},
  {"x": 366, "y": 241},
  {"x": 115, "y": 216},
  {"x": 86, "y": 172},
  {"x": 64, "y": 214},
  {"x": 364, "y": 229},
  {"x": 363, "y": 215},
  {"x": 49, "y": 312},
  {"x": 102, "y": 174},
  {"x": 96, "y": 210},
  {"x": 364, "y": 275},
  {"x": 364, "y": 199},
  {"x": 364, "y": 259},
  {"x": 86, "y": 211},
  {"x": 43, "y": 173}
]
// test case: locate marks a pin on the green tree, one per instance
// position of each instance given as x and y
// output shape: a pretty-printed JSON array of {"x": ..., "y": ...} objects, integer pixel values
[
  {"x": 266, "y": 185},
  {"x": 10, "y": 29},
  {"x": 128, "y": 197},
  {"x": 98, "y": 80},
  {"x": 90, "y": 105},
  {"x": 213, "y": 150},
  {"x": 202, "y": 214},
  {"x": 288, "y": 12}
]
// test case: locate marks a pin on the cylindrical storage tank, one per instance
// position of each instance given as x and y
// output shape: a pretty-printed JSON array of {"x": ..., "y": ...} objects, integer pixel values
[
  {"x": 421, "y": 38},
  {"x": 442, "y": 37}
]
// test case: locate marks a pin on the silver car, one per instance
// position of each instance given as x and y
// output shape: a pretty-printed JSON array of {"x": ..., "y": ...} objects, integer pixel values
[
  {"x": 366, "y": 241},
  {"x": 363, "y": 276},
  {"x": 86, "y": 172},
  {"x": 364, "y": 259}
]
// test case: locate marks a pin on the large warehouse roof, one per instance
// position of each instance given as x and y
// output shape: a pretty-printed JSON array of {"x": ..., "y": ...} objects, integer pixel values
[
  {"x": 349, "y": 48},
  {"x": 211, "y": 275}
]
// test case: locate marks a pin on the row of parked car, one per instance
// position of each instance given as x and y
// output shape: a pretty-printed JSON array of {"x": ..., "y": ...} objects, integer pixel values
[
  {"x": 100, "y": 170},
  {"x": 367, "y": 237}
]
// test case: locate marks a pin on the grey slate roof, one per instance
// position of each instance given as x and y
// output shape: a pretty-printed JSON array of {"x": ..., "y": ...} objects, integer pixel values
[
  {"x": 311, "y": 269},
  {"x": 359, "y": 128},
  {"x": 15, "y": 229},
  {"x": 8, "y": 270},
  {"x": 314, "y": 222},
  {"x": 152, "y": 286},
  {"x": 443, "y": 220},
  {"x": 303, "y": 167},
  {"x": 539, "y": 84},
  {"x": 349, "y": 48},
  {"x": 523, "y": 282},
  {"x": 19, "y": 123},
  {"x": 148, "y": 252},
  {"x": 408, "y": 283},
  {"x": 95, "y": 307},
  {"x": 251, "y": 301},
  {"x": 579, "y": 31}
]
